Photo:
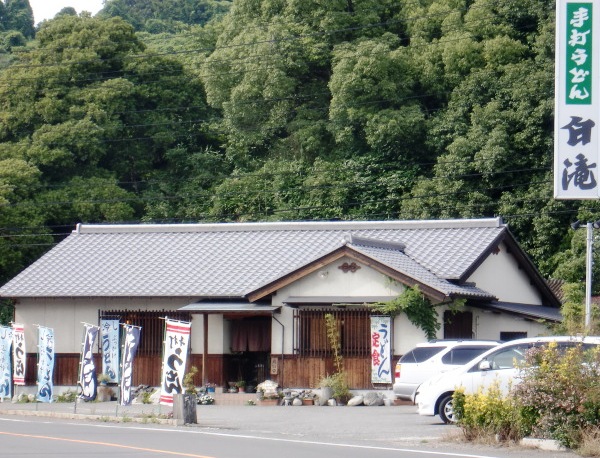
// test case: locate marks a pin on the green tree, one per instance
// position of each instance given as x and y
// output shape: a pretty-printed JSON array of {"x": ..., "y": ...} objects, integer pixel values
[
  {"x": 162, "y": 15},
  {"x": 88, "y": 126},
  {"x": 19, "y": 17}
]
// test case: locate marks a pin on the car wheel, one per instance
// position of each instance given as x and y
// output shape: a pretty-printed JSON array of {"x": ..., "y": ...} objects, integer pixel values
[{"x": 446, "y": 410}]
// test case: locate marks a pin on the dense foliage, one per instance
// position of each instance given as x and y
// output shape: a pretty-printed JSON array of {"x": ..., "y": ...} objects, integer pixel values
[
  {"x": 251, "y": 110},
  {"x": 557, "y": 398}
]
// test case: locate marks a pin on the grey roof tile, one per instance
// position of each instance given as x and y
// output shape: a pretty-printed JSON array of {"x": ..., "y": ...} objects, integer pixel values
[
  {"x": 404, "y": 264},
  {"x": 230, "y": 260}
]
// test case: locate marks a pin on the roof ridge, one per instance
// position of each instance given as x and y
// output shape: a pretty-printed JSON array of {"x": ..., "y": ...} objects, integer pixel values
[
  {"x": 375, "y": 243},
  {"x": 289, "y": 226}
]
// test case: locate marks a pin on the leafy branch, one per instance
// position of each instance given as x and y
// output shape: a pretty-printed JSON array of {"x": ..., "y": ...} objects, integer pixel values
[{"x": 417, "y": 308}]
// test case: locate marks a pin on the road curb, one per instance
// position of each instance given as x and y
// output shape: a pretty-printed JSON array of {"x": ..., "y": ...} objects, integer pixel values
[
  {"x": 543, "y": 444},
  {"x": 94, "y": 417}
]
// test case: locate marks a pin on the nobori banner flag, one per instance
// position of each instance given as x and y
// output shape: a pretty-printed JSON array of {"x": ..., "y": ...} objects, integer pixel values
[
  {"x": 132, "y": 340},
  {"x": 174, "y": 359},
  {"x": 577, "y": 100},
  {"x": 381, "y": 360},
  {"x": 88, "y": 379},
  {"x": 110, "y": 349},
  {"x": 19, "y": 354},
  {"x": 45, "y": 371},
  {"x": 6, "y": 337}
]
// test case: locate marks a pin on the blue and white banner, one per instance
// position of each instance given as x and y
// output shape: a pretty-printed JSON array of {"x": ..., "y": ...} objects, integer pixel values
[
  {"x": 19, "y": 354},
  {"x": 88, "y": 379},
  {"x": 381, "y": 360},
  {"x": 110, "y": 349},
  {"x": 45, "y": 370},
  {"x": 174, "y": 359},
  {"x": 130, "y": 346},
  {"x": 6, "y": 336}
]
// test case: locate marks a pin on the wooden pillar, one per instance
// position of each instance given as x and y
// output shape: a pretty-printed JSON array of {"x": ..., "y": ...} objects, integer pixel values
[{"x": 205, "y": 347}]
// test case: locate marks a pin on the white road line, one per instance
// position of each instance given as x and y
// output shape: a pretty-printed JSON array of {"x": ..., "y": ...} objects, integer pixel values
[{"x": 245, "y": 436}]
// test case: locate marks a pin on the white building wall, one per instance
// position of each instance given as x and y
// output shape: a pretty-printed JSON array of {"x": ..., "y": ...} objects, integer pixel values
[
  {"x": 66, "y": 316},
  {"x": 500, "y": 275},
  {"x": 331, "y": 281}
]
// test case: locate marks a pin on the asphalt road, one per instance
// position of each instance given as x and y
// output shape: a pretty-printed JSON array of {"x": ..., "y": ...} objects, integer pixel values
[{"x": 249, "y": 432}]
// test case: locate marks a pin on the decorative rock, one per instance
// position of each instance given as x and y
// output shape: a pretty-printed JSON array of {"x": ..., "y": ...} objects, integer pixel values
[
  {"x": 356, "y": 401},
  {"x": 332, "y": 402},
  {"x": 373, "y": 399},
  {"x": 297, "y": 402},
  {"x": 268, "y": 387}
]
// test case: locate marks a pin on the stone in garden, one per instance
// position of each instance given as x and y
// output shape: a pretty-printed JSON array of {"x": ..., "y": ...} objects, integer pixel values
[
  {"x": 268, "y": 387},
  {"x": 373, "y": 399},
  {"x": 332, "y": 402},
  {"x": 297, "y": 402},
  {"x": 356, "y": 401}
]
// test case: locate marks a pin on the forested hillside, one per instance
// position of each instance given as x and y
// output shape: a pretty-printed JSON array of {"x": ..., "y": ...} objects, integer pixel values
[{"x": 263, "y": 110}]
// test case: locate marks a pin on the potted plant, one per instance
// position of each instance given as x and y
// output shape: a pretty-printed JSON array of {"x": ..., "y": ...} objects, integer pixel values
[
  {"x": 210, "y": 387},
  {"x": 308, "y": 398},
  {"x": 241, "y": 386},
  {"x": 103, "y": 379}
]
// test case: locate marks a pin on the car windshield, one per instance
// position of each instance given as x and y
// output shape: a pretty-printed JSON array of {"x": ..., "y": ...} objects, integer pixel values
[
  {"x": 462, "y": 355},
  {"x": 420, "y": 354}
]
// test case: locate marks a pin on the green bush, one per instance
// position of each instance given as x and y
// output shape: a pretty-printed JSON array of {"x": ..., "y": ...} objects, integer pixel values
[
  {"x": 67, "y": 396},
  {"x": 488, "y": 413},
  {"x": 558, "y": 398},
  {"x": 560, "y": 392}
]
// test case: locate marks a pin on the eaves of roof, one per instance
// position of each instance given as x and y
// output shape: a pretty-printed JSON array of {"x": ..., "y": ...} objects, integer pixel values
[
  {"x": 385, "y": 258},
  {"x": 527, "y": 311}
]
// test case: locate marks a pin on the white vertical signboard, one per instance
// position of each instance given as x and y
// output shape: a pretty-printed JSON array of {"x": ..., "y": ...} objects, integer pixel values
[
  {"x": 381, "y": 358},
  {"x": 110, "y": 348},
  {"x": 576, "y": 120}
]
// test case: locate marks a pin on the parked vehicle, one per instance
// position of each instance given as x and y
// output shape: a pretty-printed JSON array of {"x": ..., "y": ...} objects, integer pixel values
[
  {"x": 431, "y": 358},
  {"x": 434, "y": 396}
]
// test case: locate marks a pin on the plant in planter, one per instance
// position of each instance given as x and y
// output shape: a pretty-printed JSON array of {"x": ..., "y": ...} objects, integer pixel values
[
  {"x": 241, "y": 386},
  {"x": 335, "y": 385},
  {"x": 103, "y": 379},
  {"x": 210, "y": 387},
  {"x": 308, "y": 397},
  {"x": 206, "y": 399},
  {"x": 188, "y": 381}
]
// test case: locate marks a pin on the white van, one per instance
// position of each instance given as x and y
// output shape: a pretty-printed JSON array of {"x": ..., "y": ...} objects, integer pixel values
[{"x": 434, "y": 396}]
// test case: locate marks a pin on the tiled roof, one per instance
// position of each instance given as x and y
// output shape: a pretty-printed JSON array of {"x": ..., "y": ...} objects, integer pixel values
[
  {"x": 404, "y": 264},
  {"x": 233, "y": 259}
]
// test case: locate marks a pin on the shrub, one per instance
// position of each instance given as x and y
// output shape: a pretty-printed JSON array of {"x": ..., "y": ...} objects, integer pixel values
[
  {"x": 145, "y": 397},
  {"x": 488, "y": 413},
  {"x": 188, "y": 381},
  {"x": 557, "y": 398},
  {"x": 67, "y": 396},
  {"x": 560, "y": 392}
]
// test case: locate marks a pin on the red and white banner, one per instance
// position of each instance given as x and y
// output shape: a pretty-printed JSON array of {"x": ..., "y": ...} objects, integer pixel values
[
  {"x": 176, "y": 344},
  {"x": 19, "y": 354}
]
